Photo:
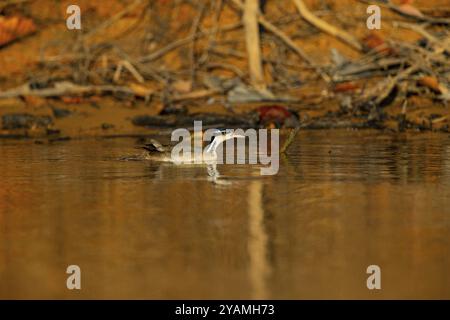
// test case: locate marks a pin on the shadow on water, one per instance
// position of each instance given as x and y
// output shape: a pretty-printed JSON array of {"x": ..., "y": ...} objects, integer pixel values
[{"x": 341, "y": 201}]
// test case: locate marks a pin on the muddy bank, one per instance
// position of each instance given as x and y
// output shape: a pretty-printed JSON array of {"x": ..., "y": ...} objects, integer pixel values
[{"x": 107, "y": 118}]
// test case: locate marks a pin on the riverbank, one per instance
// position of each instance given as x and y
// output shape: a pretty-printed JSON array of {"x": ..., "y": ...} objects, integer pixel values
[
  {"x": 163, "y": 62},
  {"x": 43, "y": 119}
]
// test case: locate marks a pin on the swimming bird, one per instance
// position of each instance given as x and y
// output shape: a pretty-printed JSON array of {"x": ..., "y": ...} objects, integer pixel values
[{"x": 157, "y": 152}]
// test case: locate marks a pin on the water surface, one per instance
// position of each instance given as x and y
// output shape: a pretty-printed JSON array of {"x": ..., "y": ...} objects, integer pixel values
[{"x": 342, "y": 200}]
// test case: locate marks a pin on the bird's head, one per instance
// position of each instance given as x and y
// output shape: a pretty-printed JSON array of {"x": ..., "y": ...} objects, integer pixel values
[{"x": 221, "y": 136}]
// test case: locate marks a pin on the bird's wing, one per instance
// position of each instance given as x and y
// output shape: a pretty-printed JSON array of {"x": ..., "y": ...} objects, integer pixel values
[{"x": 154, "y": 147}]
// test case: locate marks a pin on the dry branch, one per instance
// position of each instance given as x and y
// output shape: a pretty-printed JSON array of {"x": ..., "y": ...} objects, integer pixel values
[
  {"x": 442, "y": 44},
  {"x": 182, "y": 42},
  {"x": 287, "y": 41},
  {"x": 326, "y": 27},
  {"x": 196, "y": 95},
  {"x": 115, "y": 18},
  {"x": 250, "y": 18}
]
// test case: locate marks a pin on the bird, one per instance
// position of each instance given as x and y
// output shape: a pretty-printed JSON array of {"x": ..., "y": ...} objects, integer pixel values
[{"x": 157, "y": 152}]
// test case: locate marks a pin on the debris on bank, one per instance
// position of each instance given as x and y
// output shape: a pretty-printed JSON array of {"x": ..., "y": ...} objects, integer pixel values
[
  {"x": 14, "y": 28},
  {"x": 239, "y": 63},
  {"x": 25, "y": 121}
]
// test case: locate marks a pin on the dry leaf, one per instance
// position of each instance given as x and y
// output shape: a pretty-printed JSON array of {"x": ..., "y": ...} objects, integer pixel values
[
  {"x": 13, "y": 28},
  {"x": 410, "y": 10},
  {"x": 431, "y": 83},
  {"x": 375, "y": 42},
  {"x": 346, "y": 87}
]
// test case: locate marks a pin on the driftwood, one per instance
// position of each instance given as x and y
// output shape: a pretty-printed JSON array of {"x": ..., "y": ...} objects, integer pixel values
[{"x": 251, "y": 12}]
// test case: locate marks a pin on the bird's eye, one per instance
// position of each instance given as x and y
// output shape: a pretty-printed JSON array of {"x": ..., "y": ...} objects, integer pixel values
[
  {"x": 214, "y": 138},
  {"x": 216, "y": 134}
]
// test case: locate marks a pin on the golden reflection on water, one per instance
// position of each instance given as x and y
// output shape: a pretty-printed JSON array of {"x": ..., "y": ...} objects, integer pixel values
[
  {"x": 341, "y": 201},
  {"x": 259, "y": 267}
]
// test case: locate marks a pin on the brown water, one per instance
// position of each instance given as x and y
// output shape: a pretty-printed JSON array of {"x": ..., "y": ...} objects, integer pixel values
[{"x": 341, "y": 202}]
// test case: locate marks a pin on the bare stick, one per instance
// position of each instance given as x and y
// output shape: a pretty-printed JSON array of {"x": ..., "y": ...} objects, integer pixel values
[
  {"x": 283, "y": 37},
  {"x": 115, "y": 18},
  {"x": 214, "y": 30},
  {"x": 251, "y": 25},
  {"x": 194, "y": 31},
  {"x": 133, "y": 71},
  {"x": 442, "y": 44},
  {"x": 240, "y": 55},
  {"x": 393, "y": 82},
  {"x": 326, "y": 27},
  {"x": 127, "y": 65},
  {"x": 226, "y": 66},
  {"x": 199, "y": 94},
  {"x": 290, "y": 139},
  {"x": 182, "y": 42},
  {"x": 118, "y": 73}
]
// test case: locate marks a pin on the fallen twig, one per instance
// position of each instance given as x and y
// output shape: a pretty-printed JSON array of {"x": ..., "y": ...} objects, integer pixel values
[
  {"x": 182, "y": 42},
  {"x": 443, "y": 44},
  {"x": 290, "y": 139},
  {"x": 199, "y": 94},
  {"x": 326, "y": 27},
  {"x": 127, "y": 65},
  {"x": 194, "y": 31},
  {"x": 115, "y": 18}
]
